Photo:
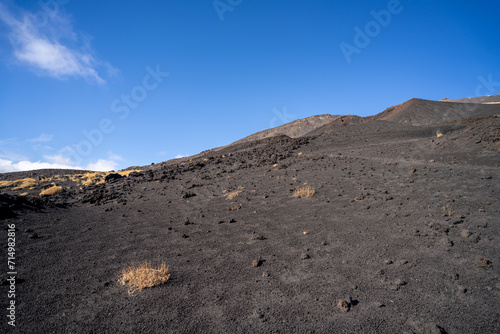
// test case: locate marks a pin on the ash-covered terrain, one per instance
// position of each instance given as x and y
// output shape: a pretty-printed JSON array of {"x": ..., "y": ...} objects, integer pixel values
[{"x": 403, "y": 226}]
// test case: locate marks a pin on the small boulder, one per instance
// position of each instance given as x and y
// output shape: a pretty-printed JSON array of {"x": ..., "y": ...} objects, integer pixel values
[
  {"x": 344, "y": 305},
  {"x": 304, "y": 256},
  {"x": 256, "y": 263},
  {"x": 483, "y": 262},
  {"x": 465, "y": 233}
]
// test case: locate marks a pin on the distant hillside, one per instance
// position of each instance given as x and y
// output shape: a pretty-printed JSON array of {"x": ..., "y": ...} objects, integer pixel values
[
  {"x": 478, "y": 99},
  {"x": 293, "y": 129},
  {"x": 417, "y": 112},
  {"x": 425, "y": 112}
]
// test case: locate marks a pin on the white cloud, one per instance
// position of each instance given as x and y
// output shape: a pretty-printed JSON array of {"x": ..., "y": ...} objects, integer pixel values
[
  {"x": 59, "y": 161},
  {"x": 102, "y": 165},
  {"x": 11, "y": 166},
  {"x": 178, "y": 156},
  {"x": 43, "y": 138},
  {"x": 42, "y": 46}
]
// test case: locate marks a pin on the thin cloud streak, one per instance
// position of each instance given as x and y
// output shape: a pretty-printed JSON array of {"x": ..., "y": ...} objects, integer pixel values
[
  {"x": 45, "y": 52},
  {"x": 43, "y": 138}
]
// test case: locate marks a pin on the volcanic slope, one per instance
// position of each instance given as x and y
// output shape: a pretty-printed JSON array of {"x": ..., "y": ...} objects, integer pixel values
[
  {"x": 493, "y": 99},
  {"x": 425, "y": 112},
  {"x": 419, "y": 112},
  {"x": 293, "y": 129},
  {"x": 403, "y": 225}
]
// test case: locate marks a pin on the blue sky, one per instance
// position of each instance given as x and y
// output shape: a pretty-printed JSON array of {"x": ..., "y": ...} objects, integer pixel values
[{"x": 110, "y": 84}]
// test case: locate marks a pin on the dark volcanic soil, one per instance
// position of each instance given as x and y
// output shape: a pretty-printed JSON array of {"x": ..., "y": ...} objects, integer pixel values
[{"x": 400, "y": 227}]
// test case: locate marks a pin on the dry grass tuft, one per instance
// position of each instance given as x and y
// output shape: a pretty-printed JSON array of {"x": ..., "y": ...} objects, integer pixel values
[
  {"x": 93, "y": 178},
  {"x": 127, "y": 172},
  {"x": 51, "y": 191},
  {"x": 439, "y": 134},
  {"x": 305, "y": 191},
  {"x": 6, "y": 183},
  {"x": 25, "y": 183},
  {"x": 143, "y": 276},
  {"x": 232, "y": 194}
]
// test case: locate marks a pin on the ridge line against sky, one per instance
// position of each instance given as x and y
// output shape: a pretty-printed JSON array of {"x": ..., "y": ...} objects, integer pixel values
[{"x": 102, "y": 86}]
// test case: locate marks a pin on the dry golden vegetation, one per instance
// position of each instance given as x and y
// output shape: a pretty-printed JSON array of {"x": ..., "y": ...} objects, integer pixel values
[
  {"x": 439, "y": 134},
  {"x": 24, "y": 183},
  {"x": 51, "y": 191},
  {"x": 143, "y": 276},
  {"x": 98, "y": 177},
  {"x": 88, "y": 179},
  {"x": 85, "y": 179},
  {"x": 231, "y": 194},
  {"x": 305, "y": 191},
  {"x": 127, "y": 172}
]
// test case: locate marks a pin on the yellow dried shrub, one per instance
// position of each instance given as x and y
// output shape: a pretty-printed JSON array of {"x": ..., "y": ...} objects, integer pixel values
[
  {"x": 143, "y": 276},
  {"x": 305, "y": 191},
  {"x": 232, "y": 194},
  {"x": 51, "y": 191}
]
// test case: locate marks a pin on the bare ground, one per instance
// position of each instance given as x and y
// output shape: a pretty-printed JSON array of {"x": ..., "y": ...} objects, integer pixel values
[{"x": 403, "y": 226}]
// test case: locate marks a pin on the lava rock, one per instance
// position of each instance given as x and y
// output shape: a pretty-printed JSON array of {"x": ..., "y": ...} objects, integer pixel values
[
  {"x": 112, "y": 177},
  {"x": 344, "y": 305}
]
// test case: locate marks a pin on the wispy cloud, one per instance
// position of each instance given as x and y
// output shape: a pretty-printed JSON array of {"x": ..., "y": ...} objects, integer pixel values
[
  {"x": 53, "y": 49},
  {"x": 114, "y": 157},
  {"x": 43, "y": 138}
]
